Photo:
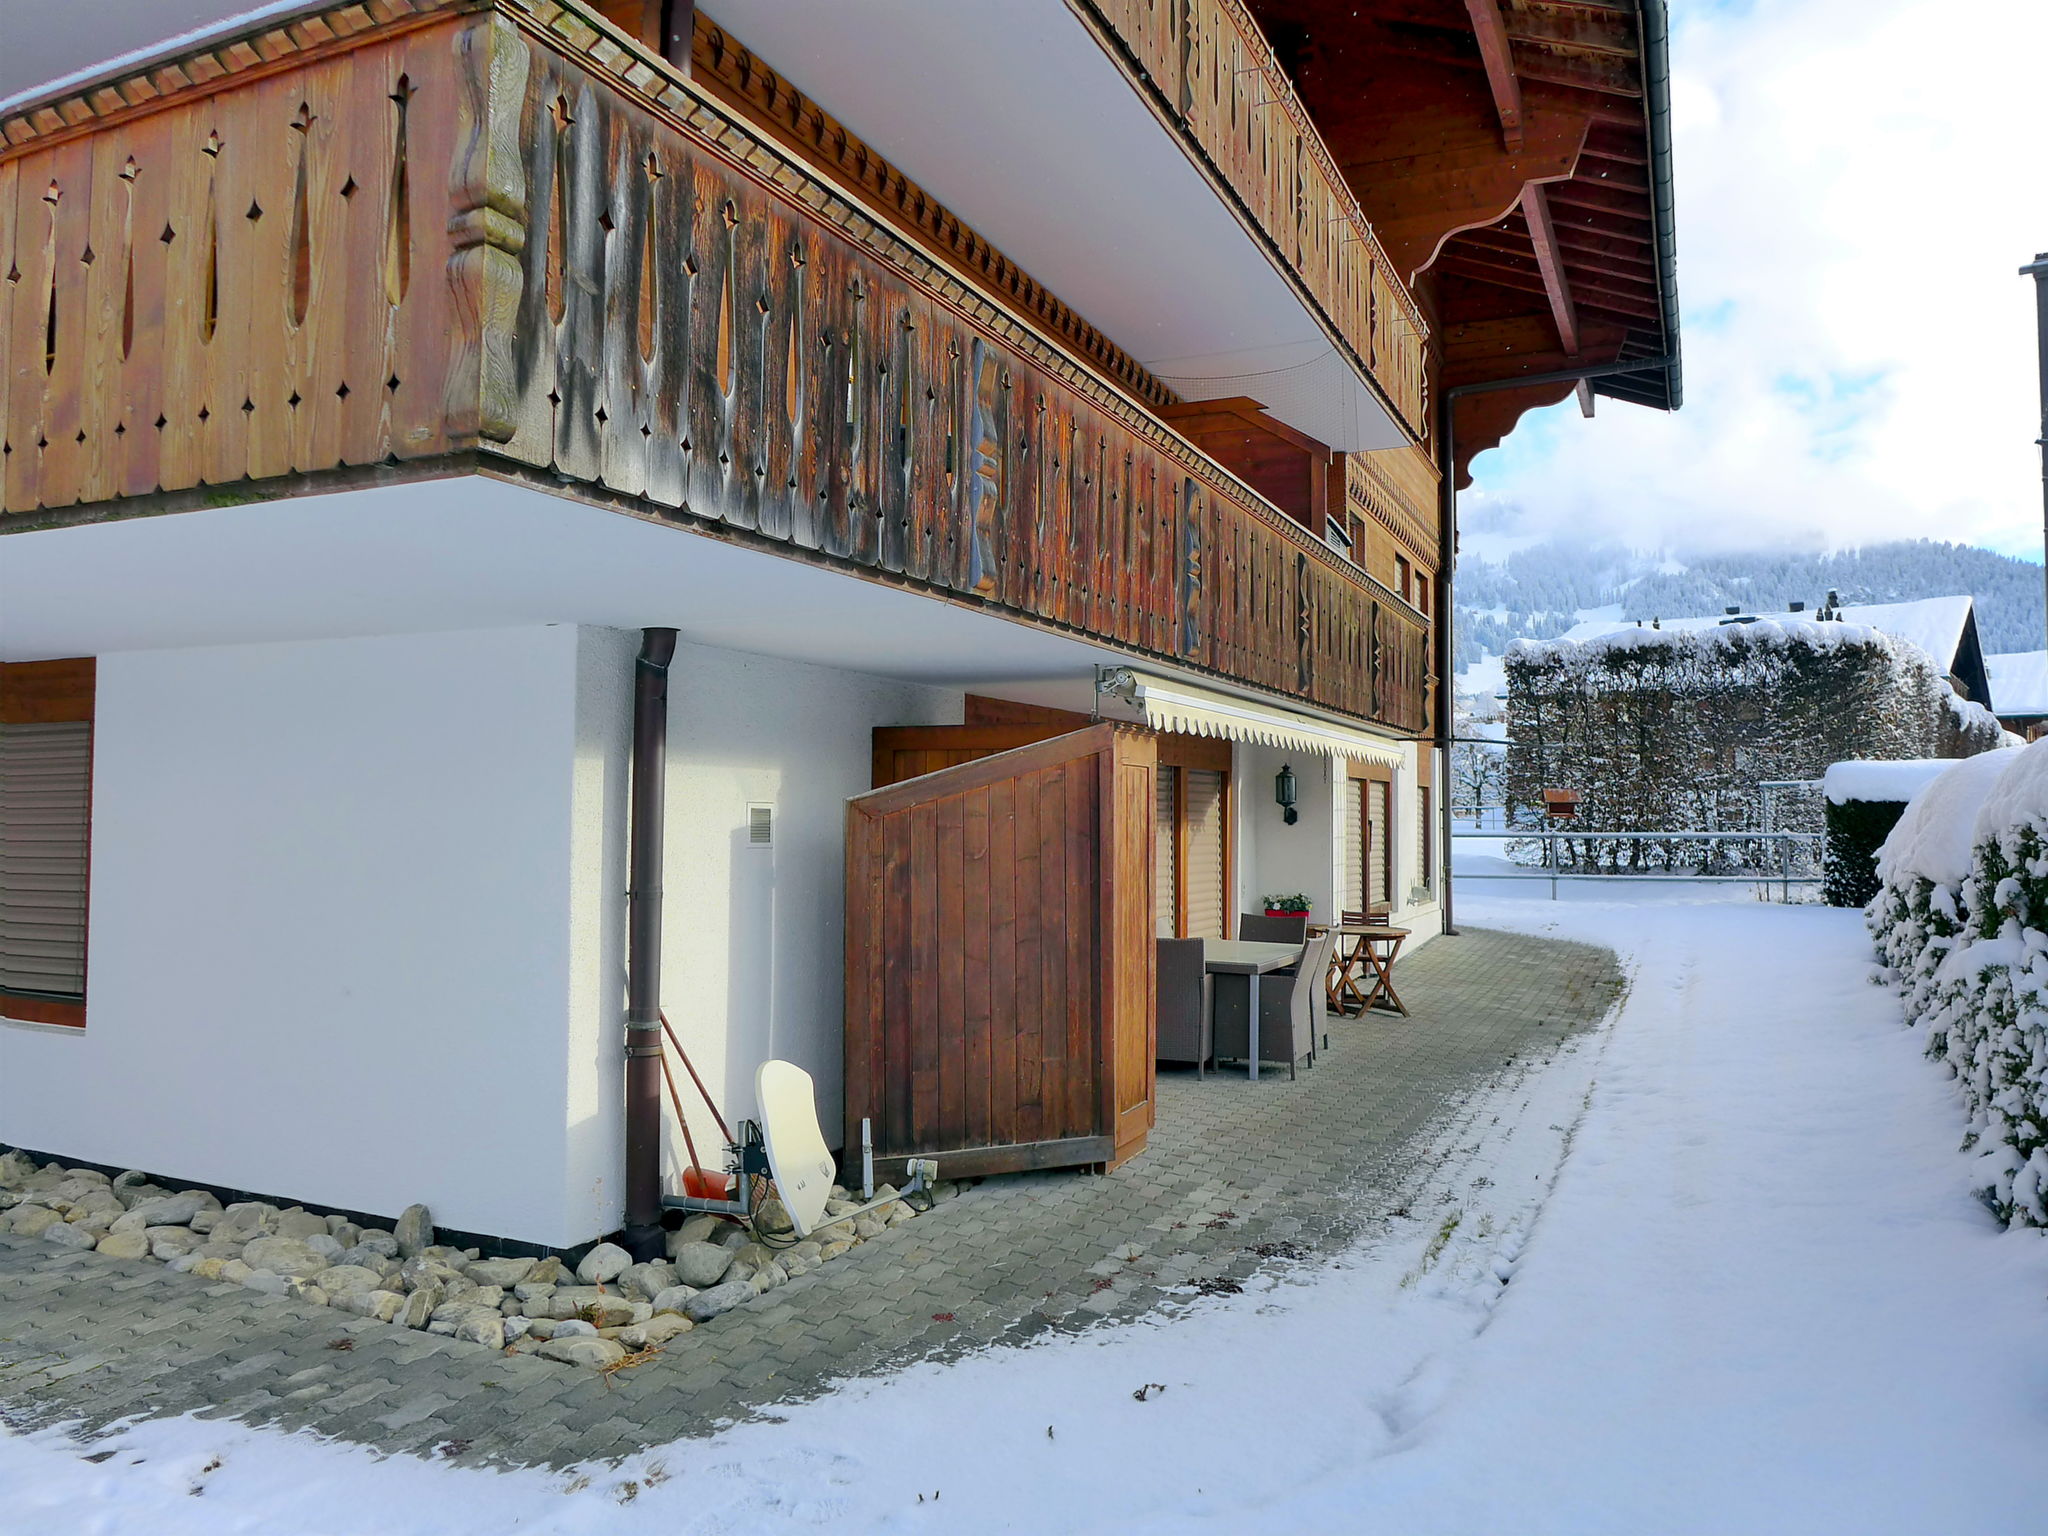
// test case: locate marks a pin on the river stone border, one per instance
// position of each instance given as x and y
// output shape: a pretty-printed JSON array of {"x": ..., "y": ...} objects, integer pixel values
[{"x": 602, "y": 1311}]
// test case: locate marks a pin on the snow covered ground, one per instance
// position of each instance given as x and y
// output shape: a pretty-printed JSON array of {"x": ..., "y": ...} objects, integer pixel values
[{"x": 1715, "y": 1269}]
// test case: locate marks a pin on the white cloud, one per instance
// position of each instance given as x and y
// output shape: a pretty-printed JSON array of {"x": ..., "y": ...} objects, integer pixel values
[{"x": 1858, "y": 183}]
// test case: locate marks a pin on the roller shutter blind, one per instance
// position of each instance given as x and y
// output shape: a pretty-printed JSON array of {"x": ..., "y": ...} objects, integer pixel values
[
  {"x": 45, "y": 799},
  {"x": 1208, "y": 904},
  {"x": 1166, "y": 853},
  {"x": 1354, "y": 846}
]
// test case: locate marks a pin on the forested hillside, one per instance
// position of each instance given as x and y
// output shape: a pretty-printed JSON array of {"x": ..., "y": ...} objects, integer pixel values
[{"x": 1539, "y": 592}]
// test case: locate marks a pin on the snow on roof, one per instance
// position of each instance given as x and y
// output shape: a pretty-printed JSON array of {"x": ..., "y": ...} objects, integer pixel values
[
  {"x": 1936, "y": 834},
  {"x": 2019, "y": 682},
  {"x": 1869, "y": 779},
  {"x": 1935, "y": 624}
]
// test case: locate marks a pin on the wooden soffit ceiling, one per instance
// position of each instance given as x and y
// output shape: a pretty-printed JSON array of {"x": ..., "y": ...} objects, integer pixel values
[{"x": 1510, "y": 154}]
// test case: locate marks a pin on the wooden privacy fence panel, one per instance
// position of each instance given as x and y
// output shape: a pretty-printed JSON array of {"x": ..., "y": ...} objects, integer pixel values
[{"x": 999, "y": 958}]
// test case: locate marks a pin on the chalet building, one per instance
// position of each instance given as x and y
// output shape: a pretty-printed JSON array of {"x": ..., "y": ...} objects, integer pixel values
[
  {"x": 2019, "y": 685},
  {"x": 827, "y": 519}
]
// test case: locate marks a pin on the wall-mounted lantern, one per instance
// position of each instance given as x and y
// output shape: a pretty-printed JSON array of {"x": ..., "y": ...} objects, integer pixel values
[{"x": 1283, "y": 795}]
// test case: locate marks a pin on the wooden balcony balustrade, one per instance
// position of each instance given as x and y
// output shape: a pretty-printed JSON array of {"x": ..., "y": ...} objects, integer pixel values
[
  {"x": 1210, "y": 71},
  {"x": 495, "y": 234}
]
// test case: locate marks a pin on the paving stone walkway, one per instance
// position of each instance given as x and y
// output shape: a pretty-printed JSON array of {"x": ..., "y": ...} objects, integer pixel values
[{"x": 1238, "y": 1175}]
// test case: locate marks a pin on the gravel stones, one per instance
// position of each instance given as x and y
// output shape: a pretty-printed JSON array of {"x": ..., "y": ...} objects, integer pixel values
[
  {"x": 414, "y": 1232},
  {"x": 124, "y": 1245},
  {"x": 32, "y": 1220},
  {"x": 167, "y": 1243},
  {"x": 301, "y": 1223},
  {"x": 706, "y": 1305},
  {"x": 384, "y": 1306},
  {"x": 64, "y": 1235},
  {"x": 418, "y": 1308},
  {"x": 284, "y": 1256},
  {"x": 607, "y": 1261},
  {"x": 404, "y": 1277},
  {"x": 697, "y": 1229},
  {"x": 165, "y": 1211},
  {"x": 701, "y": 1265},
  {"x": 582, "y": 1351},
  {"x": 664, "y": 1326},
  {"x": 644, "y": 1282},
  {"x": 502, "y": 1272},
  {"x": 247, "y": 1219},
  {"x": 347, "y": 1279},
  {"x": 673, "y": 1299}
]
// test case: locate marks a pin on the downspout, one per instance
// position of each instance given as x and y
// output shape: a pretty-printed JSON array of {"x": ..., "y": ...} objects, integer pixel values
[
  {"x": 643, "y": 1234},
  {"x": 1447, "y": 556}
]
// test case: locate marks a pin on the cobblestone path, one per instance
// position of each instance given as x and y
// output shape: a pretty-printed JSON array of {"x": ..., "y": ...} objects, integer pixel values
[{"x": 1237, "y": 1175}]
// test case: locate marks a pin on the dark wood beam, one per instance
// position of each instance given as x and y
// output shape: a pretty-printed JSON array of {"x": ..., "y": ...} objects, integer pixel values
[
  {"x": 1575, "y": 31},
  {"x": 1610, "y": 77},
  {"x": 1634, "y": 229},
  {"x": 1549, "y": 262},
  {"x": 1491, "y": 33},
  {"x": 1585, "y": 296},
  {"x": 1602, "y": 199}
]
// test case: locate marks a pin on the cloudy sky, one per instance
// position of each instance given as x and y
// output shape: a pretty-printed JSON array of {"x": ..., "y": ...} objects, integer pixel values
[{"x": 1858, "y": 183}]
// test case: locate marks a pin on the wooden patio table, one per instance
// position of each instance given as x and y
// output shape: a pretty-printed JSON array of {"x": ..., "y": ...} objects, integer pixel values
[
  {"x": 1362, "y": 966},
  {"x": 1241, "y": 957}
]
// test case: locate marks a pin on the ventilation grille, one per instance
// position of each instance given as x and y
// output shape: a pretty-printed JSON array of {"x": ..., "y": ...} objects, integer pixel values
[{"x": 760, "y": 826}]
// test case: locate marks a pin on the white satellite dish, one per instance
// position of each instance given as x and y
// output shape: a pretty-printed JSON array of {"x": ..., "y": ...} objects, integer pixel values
[{"x": 798, "y": 1158}]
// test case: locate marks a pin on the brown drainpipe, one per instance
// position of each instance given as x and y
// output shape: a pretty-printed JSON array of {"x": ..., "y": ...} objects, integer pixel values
[{"x": 643, "y": 1234}]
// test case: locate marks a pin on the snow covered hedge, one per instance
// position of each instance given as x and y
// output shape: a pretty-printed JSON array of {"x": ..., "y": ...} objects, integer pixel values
[
  {"x": 1962, "y": 923},
  {"x": 1675, "y": 729},
  {"x": 1863, "y": 802}
]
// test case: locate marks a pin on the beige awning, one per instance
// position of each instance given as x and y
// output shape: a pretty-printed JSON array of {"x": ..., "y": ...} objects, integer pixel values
[{"x": 1166, "y": 704}]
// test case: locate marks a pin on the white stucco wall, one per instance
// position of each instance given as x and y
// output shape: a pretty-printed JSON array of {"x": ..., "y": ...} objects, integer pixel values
[
  {"x": 1277, "y": 859},
  {"x": 753, "y": 939},
  {"x": 341, "y": 936}
]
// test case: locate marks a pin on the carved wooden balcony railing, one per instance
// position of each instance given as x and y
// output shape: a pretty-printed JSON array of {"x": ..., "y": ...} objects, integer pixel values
[
  {"x": 1210, "y": 70},
  {"x": 1397, "y": 488},
  {"x": 450, "y": 234}
]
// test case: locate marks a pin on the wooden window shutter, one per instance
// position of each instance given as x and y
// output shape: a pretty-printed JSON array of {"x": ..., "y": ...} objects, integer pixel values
[
  {"x": 1208, "y": 905},
  {"x": 1166, "y": 852},
  {"x": 1379, "y": 795},
  {"x": 45, "y": 799},
  {"x": 1425, "y": 834},
  {"x": 1356, "y": 898}
]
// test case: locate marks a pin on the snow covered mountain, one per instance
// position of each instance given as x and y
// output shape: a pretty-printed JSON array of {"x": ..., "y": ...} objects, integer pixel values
[{"x": 1540, "y": 592}]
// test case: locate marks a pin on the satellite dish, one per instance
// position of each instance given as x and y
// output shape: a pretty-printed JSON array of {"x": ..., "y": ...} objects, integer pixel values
[{"x": 799, "y": 1160}]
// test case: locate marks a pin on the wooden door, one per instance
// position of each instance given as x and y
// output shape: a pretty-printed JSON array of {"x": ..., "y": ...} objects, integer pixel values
[{"x": 999, "y": 957}]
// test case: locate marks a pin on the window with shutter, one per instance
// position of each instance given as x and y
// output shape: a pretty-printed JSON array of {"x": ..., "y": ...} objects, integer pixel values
[
  {"x": 1166, "y": 853},
  {"x": 1379, "y": 818},
  {"x": 1355, "y": 894},
  {"x": 45, "y": 825},
  {"x": 1208, "y": 904},
  {"x": 1425, "y": 835}
]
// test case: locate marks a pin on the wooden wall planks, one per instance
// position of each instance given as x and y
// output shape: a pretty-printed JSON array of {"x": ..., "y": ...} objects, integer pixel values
[{"x": 999, "y": 1005}]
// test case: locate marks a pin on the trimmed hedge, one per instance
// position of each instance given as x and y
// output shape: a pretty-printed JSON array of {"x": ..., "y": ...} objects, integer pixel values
[{"x": 1856, "y": 830}]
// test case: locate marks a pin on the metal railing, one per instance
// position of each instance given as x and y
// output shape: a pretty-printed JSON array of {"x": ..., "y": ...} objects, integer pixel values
[{"x": 1782, "y": 877}]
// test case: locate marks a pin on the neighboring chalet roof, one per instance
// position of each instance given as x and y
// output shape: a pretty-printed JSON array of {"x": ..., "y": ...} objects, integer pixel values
[
  {"x": 1515, "y": 158},
  {"x": 1944, "y": 627},
  {"x": 2019, "y": 682}
]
